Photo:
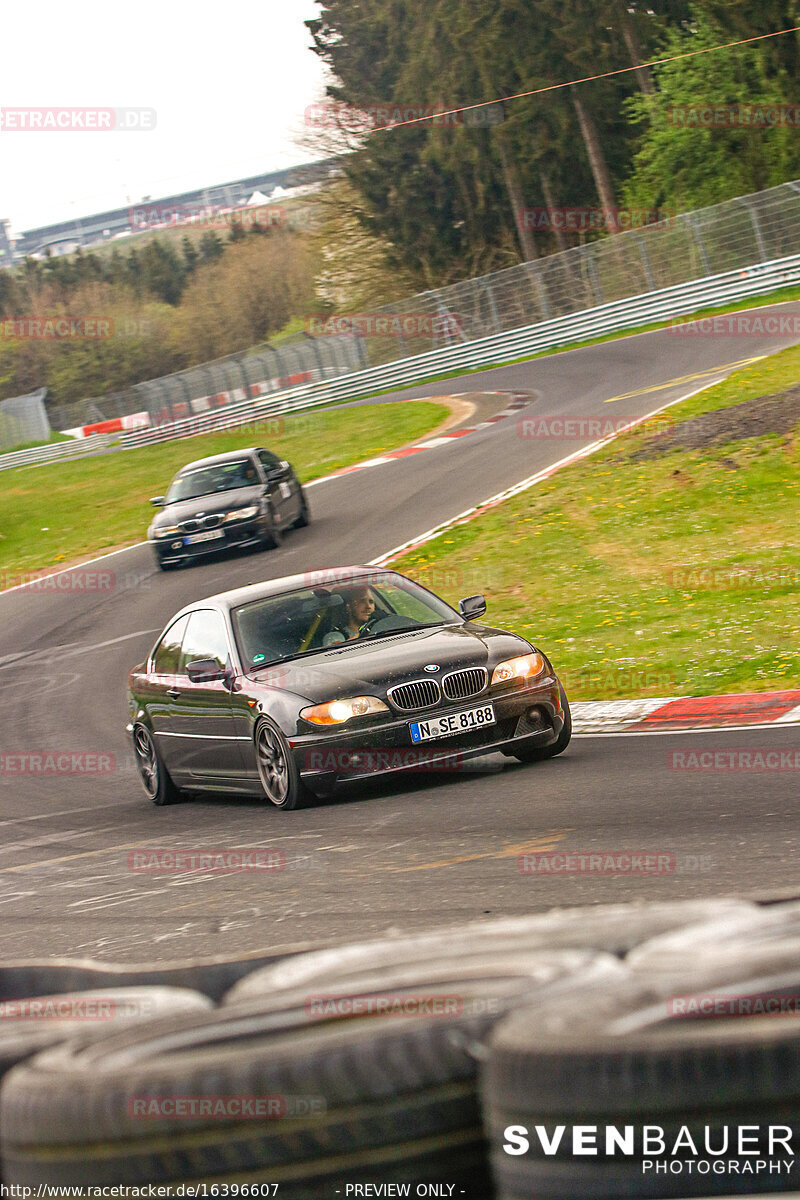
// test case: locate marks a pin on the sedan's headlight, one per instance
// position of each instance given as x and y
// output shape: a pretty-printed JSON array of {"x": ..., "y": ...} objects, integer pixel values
[
  {"x": 167, "y": 531},
  {"x": 338, "y": 711},
  {"x": 242, "y": 514},
  {"x": 524, "y": 667}
]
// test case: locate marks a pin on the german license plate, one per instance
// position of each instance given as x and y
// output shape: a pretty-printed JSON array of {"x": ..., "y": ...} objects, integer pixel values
[
  {"x": 453, "y": 723},
  {"x": 210, "y": 535}
]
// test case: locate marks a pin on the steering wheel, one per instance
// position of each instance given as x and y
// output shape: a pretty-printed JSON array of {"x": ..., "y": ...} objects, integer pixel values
[{"x": 381, "y": 622}]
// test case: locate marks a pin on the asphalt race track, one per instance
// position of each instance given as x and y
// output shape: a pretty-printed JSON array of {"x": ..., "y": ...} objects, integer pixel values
[{"x": 408, "y": 853}]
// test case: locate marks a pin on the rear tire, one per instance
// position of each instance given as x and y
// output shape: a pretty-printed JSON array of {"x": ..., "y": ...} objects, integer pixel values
[
  {"x": 152, "y": 772},
  {"x": 277, "y": 770},
  {"x": 539, "y": 753}
]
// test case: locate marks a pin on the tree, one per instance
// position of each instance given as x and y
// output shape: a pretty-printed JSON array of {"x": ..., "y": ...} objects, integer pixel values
[
  {"x": 190, "y": 255},
  {"x": 211, "y": 246},
  {"x": 684, "y": 164},
  {"x": 162, "y": 272}
]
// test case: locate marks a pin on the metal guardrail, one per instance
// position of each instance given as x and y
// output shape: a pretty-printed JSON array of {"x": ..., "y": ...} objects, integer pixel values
[
  {"x": 711, "y": 292},
  {"x": 55, "y": 452},
  {"x": 708, "y": 242}
]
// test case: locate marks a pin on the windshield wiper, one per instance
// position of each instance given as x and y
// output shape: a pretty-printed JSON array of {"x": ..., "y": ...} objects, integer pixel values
[{"x": 401, "y": 629}]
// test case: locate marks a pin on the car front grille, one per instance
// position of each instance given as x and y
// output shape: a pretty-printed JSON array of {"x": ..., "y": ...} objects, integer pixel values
[
  {"x": 196, "y": 523},
  {"x": 422, "y": 693},
  {"x": 462, "y": 684}
]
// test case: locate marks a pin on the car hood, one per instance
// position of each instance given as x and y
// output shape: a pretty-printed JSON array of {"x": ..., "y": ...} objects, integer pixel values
[
  {"x": 216, "y": 502},
  {"x": 370, "y": 668}
]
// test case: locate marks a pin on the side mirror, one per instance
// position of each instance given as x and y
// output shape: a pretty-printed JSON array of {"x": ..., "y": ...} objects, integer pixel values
[
  {"x": 205, "y": 670},
  {"x": 157, "y": 501},
  {"x": 471, "y": 607}
]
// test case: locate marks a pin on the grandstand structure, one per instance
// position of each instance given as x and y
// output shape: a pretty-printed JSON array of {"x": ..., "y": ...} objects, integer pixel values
[{"x": 65, "y": 236}]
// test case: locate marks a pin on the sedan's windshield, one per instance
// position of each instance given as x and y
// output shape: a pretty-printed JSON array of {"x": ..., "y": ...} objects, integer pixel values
[
  {"x": 336, "y": 614},
  {"x": 221, "y": 477}
]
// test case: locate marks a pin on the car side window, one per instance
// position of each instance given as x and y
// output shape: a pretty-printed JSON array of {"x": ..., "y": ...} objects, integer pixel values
[
  {"x": 405, "y": 604},
  {"x": 269, "y": 461},
  {"x": 206, "y": 637},
  {"x": 168, "y": 651}
]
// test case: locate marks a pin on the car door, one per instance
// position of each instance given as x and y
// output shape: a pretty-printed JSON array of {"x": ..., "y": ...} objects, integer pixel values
[
  {"x": 202, "y": 724},
  {"x": 158, "y": 693},
  {"x": 284, "y": 487}
]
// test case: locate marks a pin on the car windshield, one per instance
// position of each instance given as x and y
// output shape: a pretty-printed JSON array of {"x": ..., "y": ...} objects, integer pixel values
[
  {"x": 338, "y": 614},
  {"x": 205, "y": 481}
]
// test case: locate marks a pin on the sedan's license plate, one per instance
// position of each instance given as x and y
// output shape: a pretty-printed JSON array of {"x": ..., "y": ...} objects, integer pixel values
[
  {"x": 209, "y": 536},
  {"x": 454, "y": 723}
]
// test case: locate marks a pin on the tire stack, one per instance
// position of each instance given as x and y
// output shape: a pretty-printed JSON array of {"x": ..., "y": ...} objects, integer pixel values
[{"x": 407, "y": 1061}]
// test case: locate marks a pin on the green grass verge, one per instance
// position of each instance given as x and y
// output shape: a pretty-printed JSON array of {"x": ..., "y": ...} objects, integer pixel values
[
  {"x": 672, "y": 576},
  {"x": 783, "y": 296},
  {"x": 53, "y": 514}
]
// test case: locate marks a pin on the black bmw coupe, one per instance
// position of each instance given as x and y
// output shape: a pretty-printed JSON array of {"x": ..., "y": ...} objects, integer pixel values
[
  {"x": 243, "y": 498},
  {"x": 285, "y": 689}
]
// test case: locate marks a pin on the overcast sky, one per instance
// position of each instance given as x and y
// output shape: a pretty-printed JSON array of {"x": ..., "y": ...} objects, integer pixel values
[{"x": 229, "y": 84}]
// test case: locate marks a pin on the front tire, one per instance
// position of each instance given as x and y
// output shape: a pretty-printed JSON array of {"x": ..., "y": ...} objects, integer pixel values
[
  {"x": 152, "y": 772},
  {"x": 277, "y": 770},
  {"x": 273, "y": 536},
  {"x": 305, "y": 513},
  {"x": 540, "y": 753}
]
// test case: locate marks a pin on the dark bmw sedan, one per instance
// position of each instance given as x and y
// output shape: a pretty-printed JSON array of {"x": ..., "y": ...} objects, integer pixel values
[
  {"x": 285, "y": 689},
  {"x": 245, "y": 498}
]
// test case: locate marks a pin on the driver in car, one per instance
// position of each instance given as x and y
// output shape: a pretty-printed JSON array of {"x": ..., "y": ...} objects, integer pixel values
[{"x": 359, "y": 605}]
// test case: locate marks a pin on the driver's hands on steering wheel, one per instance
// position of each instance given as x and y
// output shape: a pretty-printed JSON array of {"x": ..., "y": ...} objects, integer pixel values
[{"x": 373, "y": 620}]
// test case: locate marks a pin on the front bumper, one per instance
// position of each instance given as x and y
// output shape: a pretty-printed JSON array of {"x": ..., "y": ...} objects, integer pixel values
[
  {"x": 525, "y": 716},
  {"x": 235, "y": 536}
]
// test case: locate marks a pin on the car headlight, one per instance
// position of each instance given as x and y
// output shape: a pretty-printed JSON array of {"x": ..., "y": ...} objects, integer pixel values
[
  {"x": 337, "y": 711},
  {"x": 523, "y": 667},
  {"x": 167, "y": 531},
  {"x": 242, "y": 514}
]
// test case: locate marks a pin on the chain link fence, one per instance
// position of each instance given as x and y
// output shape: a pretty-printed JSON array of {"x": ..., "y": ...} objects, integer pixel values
[{"x": 734, "y": 235}]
